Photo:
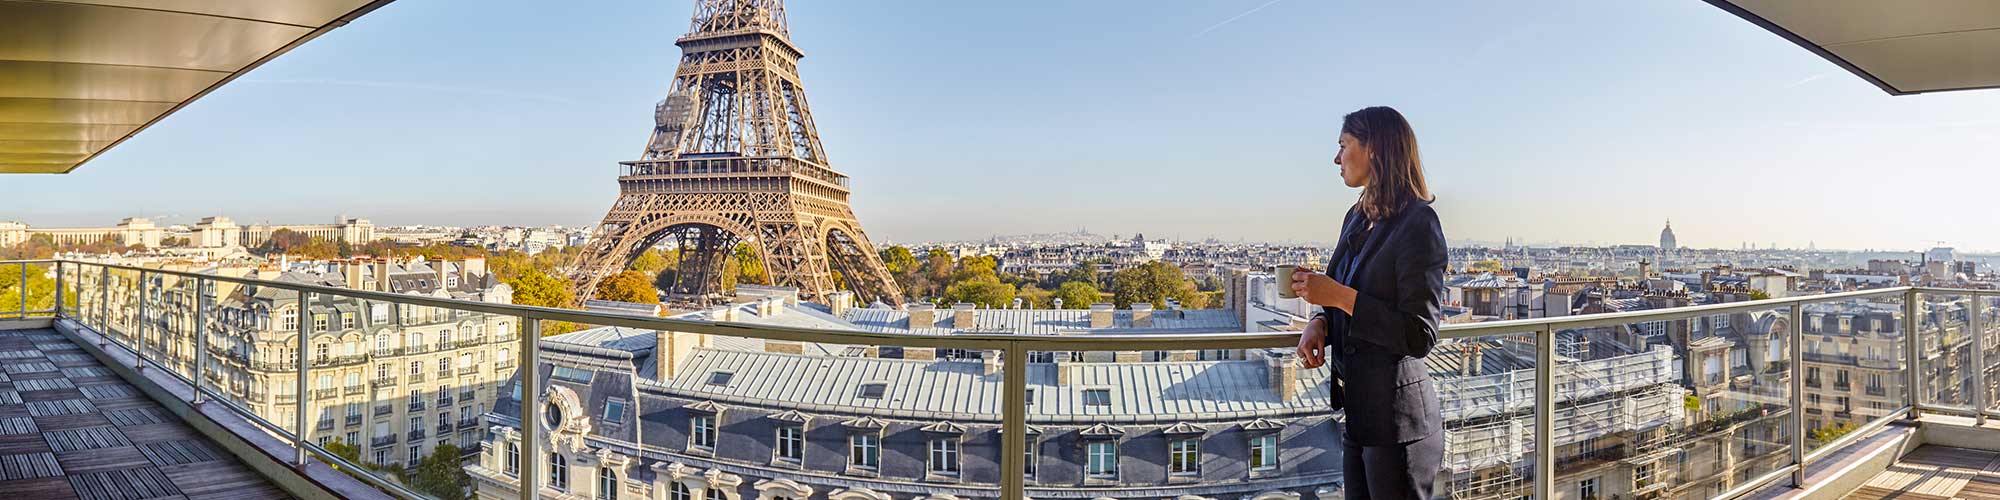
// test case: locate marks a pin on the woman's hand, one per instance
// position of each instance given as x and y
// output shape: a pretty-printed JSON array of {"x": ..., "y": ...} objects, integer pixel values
[
  {"x": 1321, "y": 290},
  {"x": 1312, "y": 343}
]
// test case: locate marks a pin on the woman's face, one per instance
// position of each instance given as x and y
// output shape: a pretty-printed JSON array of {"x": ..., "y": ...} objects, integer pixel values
[{"x": 1354, "y": 160}]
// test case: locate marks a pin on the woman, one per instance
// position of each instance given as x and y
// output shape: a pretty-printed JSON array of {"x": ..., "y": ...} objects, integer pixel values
[{"x": 1380, "y": 299}]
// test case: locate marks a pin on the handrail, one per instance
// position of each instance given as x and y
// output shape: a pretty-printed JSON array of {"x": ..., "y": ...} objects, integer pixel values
[{"x": 1014, "y": 348}]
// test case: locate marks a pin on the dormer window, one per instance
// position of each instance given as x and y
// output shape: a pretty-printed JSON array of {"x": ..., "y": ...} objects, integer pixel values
[{"x": 720, "y": 378}]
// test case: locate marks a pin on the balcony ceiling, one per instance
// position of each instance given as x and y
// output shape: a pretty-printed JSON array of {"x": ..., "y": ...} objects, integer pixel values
[
  {"x": 80, "y": 76},
  {"x": 1902, "y": 47}
]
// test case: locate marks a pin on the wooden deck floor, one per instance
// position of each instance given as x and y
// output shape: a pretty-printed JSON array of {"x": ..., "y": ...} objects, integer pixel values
[
  {"x": 71, "y": 429},
  {"x": 1937, "y": 473}
]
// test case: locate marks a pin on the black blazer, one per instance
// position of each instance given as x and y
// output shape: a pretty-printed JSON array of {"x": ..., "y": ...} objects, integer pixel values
[{"x": 1378, "y": 352}]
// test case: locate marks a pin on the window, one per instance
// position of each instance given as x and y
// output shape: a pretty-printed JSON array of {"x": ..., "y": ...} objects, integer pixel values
[
  {"x": 416, "y": 339},
  {"x": 607, "y": 484},
  {"x": 614, "y": 411},
  {"x": 791, "y": 443},
  {"x": 678, "y": 491},
  {"x": 319, "y": 351},
  {"x": 864, "y": 451},
  {"x": 1097, "y": 397},
  {"x": 568, "y": 374},
  {"x": 289, "y": 320},
  {"x": 514, "y": 459},
  {"x": 416, "y": 423},
  {"x": 444, "y": 364},
  {"x": 1642, "y": 476},
  {"x": 720, "y": 378},
  {"x": 1101, "y": 460},
  {"x": 715, "y": 494},
  {"x": 379, "y": 313},
  {"x": 382, "y": 456},
  {"x": 1587, "y": 489},
  {"x": 353, "y": 379},
  {"x": 701, "y": 432},
  {"x": 872, "y": 390},
  {"x": 346, "y": 320},
  {"x": 444, "y": 337},
  {"x": 1184, "y": 456},
  {"x": 558, "y": 472},
  {"x": 414, "y": 452},
  {"x": 382, "y": 370},
  {"x": 944, "y": 456},
  {"x": 1028, "y": 464},
  {"x": 416, "y": 367},
  {"x": 319, "y": 322}
]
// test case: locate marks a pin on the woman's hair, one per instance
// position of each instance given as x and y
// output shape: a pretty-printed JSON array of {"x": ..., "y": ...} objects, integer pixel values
[{"x": 1398, "y": 178}]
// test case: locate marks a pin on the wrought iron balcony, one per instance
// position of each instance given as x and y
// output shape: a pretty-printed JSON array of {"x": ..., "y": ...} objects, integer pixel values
[
  {"x": 415, "y": 435},
  {"x": 381, "y": 441},
  {"x": 468, "y": 370},
  {"x": 325, "y": 393},
  {"x": 354, "y": 390},
  {"x": 416, "y": 406},
  {"x": 353, "y": 420},
  {"x": 384, "y": 382},
  {"x": 415, "y": 378},
  {"x": 381, "y": 410},
  {"x": 324, "y": 425}
]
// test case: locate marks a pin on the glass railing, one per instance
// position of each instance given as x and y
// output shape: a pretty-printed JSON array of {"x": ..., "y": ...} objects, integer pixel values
[{"x": 1691, "y": 402}]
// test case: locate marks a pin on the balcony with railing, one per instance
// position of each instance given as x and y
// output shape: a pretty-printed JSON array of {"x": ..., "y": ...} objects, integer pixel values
[{"x": 1489, "y": 377}]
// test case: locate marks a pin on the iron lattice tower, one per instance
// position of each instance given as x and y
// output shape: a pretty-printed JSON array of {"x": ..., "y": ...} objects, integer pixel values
[{"x": 734, "y": 158}]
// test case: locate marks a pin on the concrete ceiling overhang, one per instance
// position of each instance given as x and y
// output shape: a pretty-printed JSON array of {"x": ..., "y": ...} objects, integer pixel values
[
  {"x": 79, "y": 76},
  {"x": 1904, "y": 47}
]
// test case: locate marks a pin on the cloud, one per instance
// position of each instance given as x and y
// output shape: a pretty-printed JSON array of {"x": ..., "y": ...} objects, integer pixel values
[
  {"x": 483, "y": 92},
  {"x": 1232, "y": 19}
]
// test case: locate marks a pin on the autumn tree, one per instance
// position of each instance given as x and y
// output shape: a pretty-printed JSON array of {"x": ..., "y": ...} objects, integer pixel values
[
  {"x": 442, "y": 474},
  {"x": 628, "y": 286},
  {"x": 532, "y": 287}
]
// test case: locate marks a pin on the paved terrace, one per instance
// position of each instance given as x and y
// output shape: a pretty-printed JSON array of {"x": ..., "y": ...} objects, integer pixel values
[{"x": 70, "y": 428}]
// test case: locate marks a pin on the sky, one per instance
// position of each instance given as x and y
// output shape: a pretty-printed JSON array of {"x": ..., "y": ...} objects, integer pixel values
[{"x": 1576, "y": 122}]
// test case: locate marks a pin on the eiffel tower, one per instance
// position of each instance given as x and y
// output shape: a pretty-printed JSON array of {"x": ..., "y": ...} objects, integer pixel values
[{"x": 734, "y": 159}]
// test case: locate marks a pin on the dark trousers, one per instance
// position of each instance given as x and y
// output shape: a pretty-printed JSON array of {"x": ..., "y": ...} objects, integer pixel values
[{"x": 1396, "y": 472}]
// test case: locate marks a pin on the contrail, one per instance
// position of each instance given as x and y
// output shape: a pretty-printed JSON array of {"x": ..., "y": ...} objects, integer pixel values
[{"x": 1205, "y": 31}]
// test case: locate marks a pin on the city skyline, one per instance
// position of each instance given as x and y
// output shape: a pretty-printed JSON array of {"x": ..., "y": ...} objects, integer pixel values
[{"x": 1533, "y": 135}]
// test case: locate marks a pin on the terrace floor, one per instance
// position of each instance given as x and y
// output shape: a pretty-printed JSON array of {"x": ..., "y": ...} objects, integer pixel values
[
  {"x": 72, "y": 429},
  {"x": 1936, "y": 473}
]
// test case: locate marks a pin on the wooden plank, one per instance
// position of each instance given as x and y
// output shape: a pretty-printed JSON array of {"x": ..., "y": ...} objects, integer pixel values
[
  {"x": 123, "y": 484},
  {"x": 102, "y": 459},
  {"x": 47, "y": 488},
  {"x": 86, "y": 438},
  {"x": 221, "y": 481},
  {"x": 29, "y": 466}
]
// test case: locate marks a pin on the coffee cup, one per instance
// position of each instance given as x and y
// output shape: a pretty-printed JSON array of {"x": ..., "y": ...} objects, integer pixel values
[{"x": 1284, "y": 274}]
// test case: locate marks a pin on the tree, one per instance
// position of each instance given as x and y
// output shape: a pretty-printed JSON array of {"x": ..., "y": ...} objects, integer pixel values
[
  {"x": 653, "y": 261},
  {"x": 1078, "y": 294},
  {"x": 749, "y": 267},
  {"x": 442, "y": 474},
  {"x": 535, "y": 288},
  {"x": 986, "y": 291},
  {"x": 628, "y": 286},
  {"x": 1085, "y": 271},
  {"x": 1485, "y": 266},
  {"x": 1759, "y": 295},
  {"x": 903, "y": 267},
  {"x": 1829, "y": 433},
  {"x": 282, "y": 241},
  {"x": 173, "y": 242},
  {"x": 1154, "y": 283},
  {"x": 1033, "y": 296},
  {"x": 976, "y": 268}
]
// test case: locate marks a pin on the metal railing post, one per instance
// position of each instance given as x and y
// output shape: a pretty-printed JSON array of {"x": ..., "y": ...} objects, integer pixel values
[
  {"x": 59, "y": 289},
  {"x": 299, "y": 423},
  {"x": 200, "y": 337},
  {"x": 1976, "y": 326},
  {"x": 24, "y": 290},
  {"x": 1913, "y": 363},
  {"x": 1014, "y": 421},
  {"x": 139, "y": 327},
  {"x": 1545, "y": 397},
  {"x": 1795, "y": 342},
  {"x": 103, "y": 308},
  {"x": 531, "y": 434}
]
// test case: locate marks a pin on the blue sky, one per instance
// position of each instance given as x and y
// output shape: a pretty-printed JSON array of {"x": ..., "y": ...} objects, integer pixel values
[{"x": 1583, "y": 122}]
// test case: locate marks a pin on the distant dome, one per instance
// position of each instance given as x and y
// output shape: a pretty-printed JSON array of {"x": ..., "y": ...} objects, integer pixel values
[{"x": 1667, "y": 237}]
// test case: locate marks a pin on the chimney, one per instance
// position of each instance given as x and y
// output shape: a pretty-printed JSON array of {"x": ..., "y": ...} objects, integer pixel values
[
  {"x": 992, "y": 362},
  {"x": 1142, "y": 315},
  {"x": 962, "y": 316},
  {"x": 382, "y": 274},
  {"x": 438, "y": 269},
  {"x": 1100, "y": 315},
  {"x": 471, "y": 268},
  {"x": 351, "y": 273},
  {"x": 839, "y": 302},
  {"x": 724, "y": 313},
  {"x": 1283, "y": 373},
  {"x": 767, "y": 307},
  {"x": 923, "y": 315},
  {"x": 1125, "y": 357},
  {"x": 663, "y": 354},
  {"x": 1058, "y": 302},
  {"x": 1062, "y": 370}
]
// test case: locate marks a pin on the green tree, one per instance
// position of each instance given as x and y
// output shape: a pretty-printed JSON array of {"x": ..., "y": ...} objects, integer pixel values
[
  {"x": 1154, "y": 283},
  {"x": 903, "y": 267},
  {"x": 532, "y": 287},
  {"x": 976, "y": 268},
  {"x": 628, "y": 286},
  {"x": 985, "y": 291},
  {"x": 749, "y": 267},
  {"x": 1485, "y": 266},
  {"x": 1759, "y": 295},
  {"x": 1078, "y": 294},
  {"x": 1033, "y": 296},
  {"x": 1085, "y": 271},
  {"x": 653, "y": 261},
  {"x": 442, "y": 474}
]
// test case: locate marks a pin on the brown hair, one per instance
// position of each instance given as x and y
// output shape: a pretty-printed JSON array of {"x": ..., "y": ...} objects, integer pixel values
[{"x": 1398, "y": 178}]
